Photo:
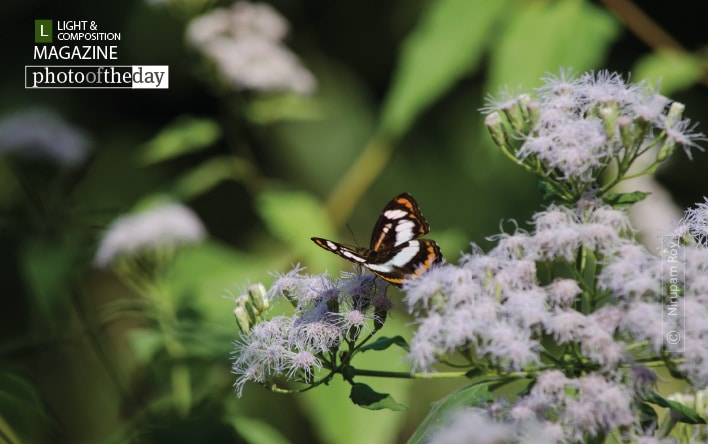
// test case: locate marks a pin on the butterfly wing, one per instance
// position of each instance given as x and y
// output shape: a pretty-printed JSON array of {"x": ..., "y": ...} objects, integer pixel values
[
  {"x": 396, "y": 253},
  {"x": 399, "y": 222},
  {"x": 350, "y": 254},
  {"x": 409, "y": 259}
]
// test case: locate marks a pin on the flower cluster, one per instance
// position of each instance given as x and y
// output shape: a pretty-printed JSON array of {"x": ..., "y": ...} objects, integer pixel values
[
  {"x": 577, "y": 127},
  {"x": 328, "y": 313},
  {"x": 493, "y": 303},
  {"x": 245, "y": 44},
  {"x": 495, "y": 312},
  {"x": 575, "y": 310}
]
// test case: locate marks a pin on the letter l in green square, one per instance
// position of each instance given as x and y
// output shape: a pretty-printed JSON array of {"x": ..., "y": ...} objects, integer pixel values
[{"x": 43, "y": 31}]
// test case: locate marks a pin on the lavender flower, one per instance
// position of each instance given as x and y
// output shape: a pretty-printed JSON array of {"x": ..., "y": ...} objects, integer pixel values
[
  {"x": 494, "y": 302},
  {"x": 585, "y": 407},
  {"x": 328, "y": 312},
  {"x": 576, "y": 127}
]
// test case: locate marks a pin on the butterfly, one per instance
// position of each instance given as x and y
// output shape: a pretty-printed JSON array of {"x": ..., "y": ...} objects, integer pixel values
[{"x": 395, "y": 252}]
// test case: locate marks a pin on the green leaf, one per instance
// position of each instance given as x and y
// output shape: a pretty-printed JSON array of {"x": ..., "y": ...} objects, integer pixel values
[
  {"x": 474, "y": 395},
  {"x": 48, "y": 267},
  {"x": 209, "y": 174},
  {"x": 294, "y": 217},
  {"x": 475, "y": 372},
  {"x": 673, "y": 70},
  {"x": 624, "y": 200},
  {"x": 255, "y": 431},
  {"x": 269, "y": 109},
  {"x": 145, "y": 343},
  {"x": 364, "y": 396},
  {"x": 185, "y": 135},
  {"x": 546, "y": 188},
  {"x": 542, "y": 37},
  {"x": 648, "y": 419},
  {"x": 447, "y": 43},
  {"x": 202, "y": 276},
  {"x": 385, "y": 342},
  {"x": 23, "y": 417},
  {"x": 680, "y": 412}
]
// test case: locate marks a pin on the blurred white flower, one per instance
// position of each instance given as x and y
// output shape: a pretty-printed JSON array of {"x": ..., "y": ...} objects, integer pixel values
[
  {"x": 255, "y": 63},
  {"x": 245, "y": 44},
  {"x": 168, "y": 225},
  {"x": 40, "y": 134},
  {"x": 474, "y": 425}
]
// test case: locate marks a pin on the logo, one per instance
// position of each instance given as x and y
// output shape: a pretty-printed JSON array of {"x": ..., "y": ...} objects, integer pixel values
[
  {"x": 395, "y": 252},
  {"x": 43, "y": 31},
  {"x": 79, "y": 54}
]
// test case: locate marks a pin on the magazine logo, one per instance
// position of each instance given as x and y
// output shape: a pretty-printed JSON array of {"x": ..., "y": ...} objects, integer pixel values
[{"x": 78, "y": 41}]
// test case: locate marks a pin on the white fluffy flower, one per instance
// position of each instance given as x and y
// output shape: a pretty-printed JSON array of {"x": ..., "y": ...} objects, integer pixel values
[
  {"x": 169, "y": 225},
  {"x": 40, "y": 134},
  {"x": 244, "y": 43}
]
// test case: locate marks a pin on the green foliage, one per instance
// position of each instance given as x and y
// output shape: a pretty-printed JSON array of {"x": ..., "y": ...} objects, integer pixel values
[
  {"x": 383, "y": 343},
  {"x": 540, "y": 37},
  {"x": 678, "y": 411},
  {"x": 364, "y": 396},
  {"x": 22, "y": 416},
  {"x": 674, "y": 70},
  {"x": 207, "y": 175},
  {"x": 185, "y": 135},
  {"x": 286, "y": 213},
  {"x": 624, "y": 200},
  {"x": 256, "y": 431},
  {"x": 446, "y": 45},
  {"x": 473, "y": 395}
]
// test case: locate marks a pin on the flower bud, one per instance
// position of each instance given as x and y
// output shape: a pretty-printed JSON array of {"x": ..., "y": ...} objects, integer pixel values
[
  {"x": 675, "y": 114},
  {"x": 626, "y": 130},
  {"x": 533, "y": 109},
  {"x": 516, "y": 118},
  {"x": 256, "y": 295},
  {"x": 524, "y": 100},
  {"x": 496, "y": 128},
  {"x": 242, "y": 319},
  {"x": 379, "y": 317},
  {"x": 608, "y": 114}
]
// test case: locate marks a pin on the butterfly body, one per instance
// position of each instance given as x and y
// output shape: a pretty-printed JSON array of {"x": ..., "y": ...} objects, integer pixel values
[{"x": 395, "y": 253}]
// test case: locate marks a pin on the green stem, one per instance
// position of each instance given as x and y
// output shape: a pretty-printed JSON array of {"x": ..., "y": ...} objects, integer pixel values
[{"x": 365, "y": 169}]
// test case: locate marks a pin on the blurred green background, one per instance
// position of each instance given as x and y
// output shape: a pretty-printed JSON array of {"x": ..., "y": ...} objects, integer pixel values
[{"x": 399, "y": 85}]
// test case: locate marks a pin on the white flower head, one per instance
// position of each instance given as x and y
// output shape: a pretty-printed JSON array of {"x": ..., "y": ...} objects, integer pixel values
[
  {"x": 472, "y": 425},
  {"x": 578, "y": 125},
  {"x": 243, "y": 19},
  {"x": 40, "y": 134},
  {"x": 244, "y": 43},
  {"x": 168, "y": 225},
  {"x": 259, "y": 64},
  {"x": 695, "y": 223}
]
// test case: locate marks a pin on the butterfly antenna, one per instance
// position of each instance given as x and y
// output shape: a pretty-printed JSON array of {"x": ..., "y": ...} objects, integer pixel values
[{"x": 352, "y": 233}]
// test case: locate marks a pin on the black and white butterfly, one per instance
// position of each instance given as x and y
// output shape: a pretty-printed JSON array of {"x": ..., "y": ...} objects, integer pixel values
[{"x": 395, "y": 252}]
